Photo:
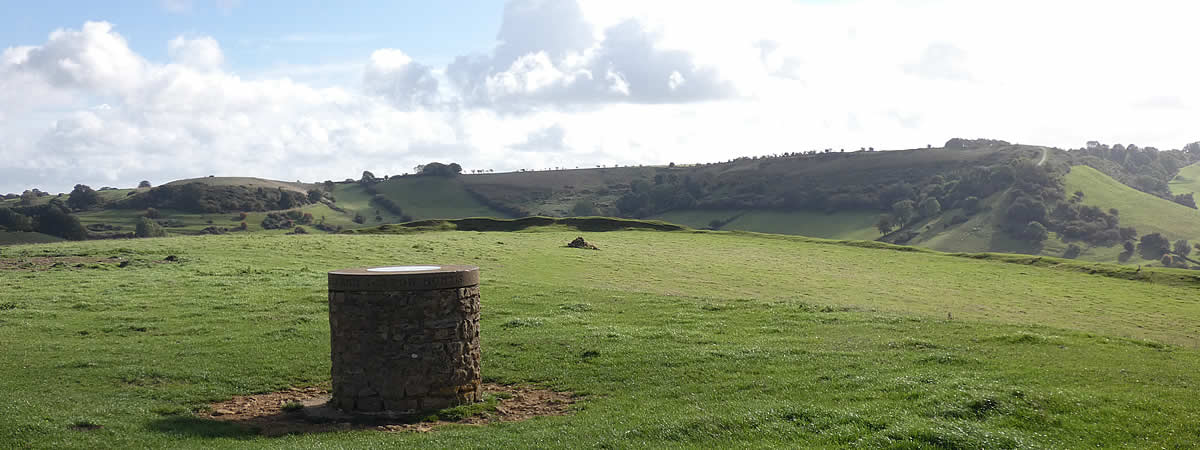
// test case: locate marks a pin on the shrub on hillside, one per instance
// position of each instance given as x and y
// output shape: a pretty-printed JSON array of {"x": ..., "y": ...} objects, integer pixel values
[
  {"x": 148, "y": 228},
  {"x": 1035, "y": 232},
  {"x": 1073, "y": 251},
  {"x": 56, "y": 221},
  {"x": 1181, "y": 248},
  {"x": 930, "y": 207},
  {"x": 1153, "y": 246},
  {"x": 277, "y": 221},
  {"x": 904, "y": 211},
  {"x": 13, "y": 221}
]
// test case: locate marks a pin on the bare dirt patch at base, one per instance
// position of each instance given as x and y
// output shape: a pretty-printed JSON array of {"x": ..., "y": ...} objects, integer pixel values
[{"x": 277, "y": 413}]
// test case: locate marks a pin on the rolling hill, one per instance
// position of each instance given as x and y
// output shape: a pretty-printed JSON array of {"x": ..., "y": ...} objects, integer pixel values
[
  {"x": 827, "y": 195},
  {"x": 247, "y": 182},
  {"x": 1149, "y": 214}
]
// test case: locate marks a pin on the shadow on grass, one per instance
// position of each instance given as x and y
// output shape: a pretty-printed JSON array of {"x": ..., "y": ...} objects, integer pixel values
[
  {"x": 272, "y": 425},
  {"x": 201, "y": 427}
]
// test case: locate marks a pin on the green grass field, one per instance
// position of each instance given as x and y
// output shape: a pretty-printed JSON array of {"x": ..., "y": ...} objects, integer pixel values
[
  {"x": 1187, "y": 180},
  {"x": 673, "y": 339},
  {"x": 1149, "y": 214},
  {"x": 433, "y": 198}
]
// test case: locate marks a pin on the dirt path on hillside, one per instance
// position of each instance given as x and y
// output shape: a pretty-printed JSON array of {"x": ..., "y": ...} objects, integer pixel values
[{"x": 1045, "y": 152}]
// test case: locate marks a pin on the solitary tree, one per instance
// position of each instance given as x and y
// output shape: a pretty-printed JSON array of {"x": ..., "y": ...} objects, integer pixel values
[
  {"x": 368, "y": 178},
  {"x": 83, "y": 197},
  {"x": 885, "y": 224},
  {"x": 144, "y": 184},
  {"x": 1153, "y": 246}
]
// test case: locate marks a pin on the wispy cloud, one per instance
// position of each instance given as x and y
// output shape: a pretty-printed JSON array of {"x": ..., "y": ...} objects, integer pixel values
[{"x": 177, "y": 6}]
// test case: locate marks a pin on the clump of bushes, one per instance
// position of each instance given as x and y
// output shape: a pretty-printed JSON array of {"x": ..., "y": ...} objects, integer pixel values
[{"x": 148, "y": 228}]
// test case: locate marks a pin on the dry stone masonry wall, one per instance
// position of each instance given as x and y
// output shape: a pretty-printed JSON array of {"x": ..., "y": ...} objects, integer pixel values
[{"x": 404, "y": 339}]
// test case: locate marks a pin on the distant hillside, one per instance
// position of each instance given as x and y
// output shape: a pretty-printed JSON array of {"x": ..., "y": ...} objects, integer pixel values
[
  {"x": 968, "y": 196},
  {"x": 1187, "y": 181},
  {"x": 249, "y": 182},
  {"x": 1147, "y": 213}
]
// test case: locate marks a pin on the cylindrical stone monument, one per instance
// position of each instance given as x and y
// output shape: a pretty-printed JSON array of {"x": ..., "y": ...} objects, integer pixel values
[{"x": 404, "y": 339}]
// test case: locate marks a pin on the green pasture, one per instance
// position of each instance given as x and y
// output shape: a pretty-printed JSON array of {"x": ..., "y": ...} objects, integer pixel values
[{"x": 670, "y": 339}]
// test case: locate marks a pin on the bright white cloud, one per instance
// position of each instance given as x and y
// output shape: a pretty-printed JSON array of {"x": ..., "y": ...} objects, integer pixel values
[
  {"x": 202, "y": 53},
  {"x": 612, "y": 82}
]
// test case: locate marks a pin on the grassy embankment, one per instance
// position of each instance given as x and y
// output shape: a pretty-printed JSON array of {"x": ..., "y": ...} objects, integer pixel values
[
  {"x": 676, "y": 339},
  {"x": 1187, "y": 180}
]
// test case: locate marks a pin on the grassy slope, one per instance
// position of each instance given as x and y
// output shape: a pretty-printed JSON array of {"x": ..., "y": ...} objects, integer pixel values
[
  {"x": 679, "y": 340},
  {"x": 433, "y": 198},
  {"x": 1149, "y": 214},
  {"x": 843, "y": 225},
  {"x": 1188, "y": 180},
  {"x": 697, "y": 218},
  {"x": 18, "y": 237},
  {"x": 977, "y": 234}
]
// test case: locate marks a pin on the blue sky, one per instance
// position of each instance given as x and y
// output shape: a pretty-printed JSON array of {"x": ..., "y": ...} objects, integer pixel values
[
  {"x": 259, "y": 35},
  {"x": 110, "y": 93}
]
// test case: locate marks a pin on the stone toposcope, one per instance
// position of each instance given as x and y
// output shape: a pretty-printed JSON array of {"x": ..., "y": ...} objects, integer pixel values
[{"x": 404, "y": 339}]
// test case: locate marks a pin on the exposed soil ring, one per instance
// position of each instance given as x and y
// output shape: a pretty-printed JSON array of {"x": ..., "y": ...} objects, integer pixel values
[{"x": 277, "y": 413}]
